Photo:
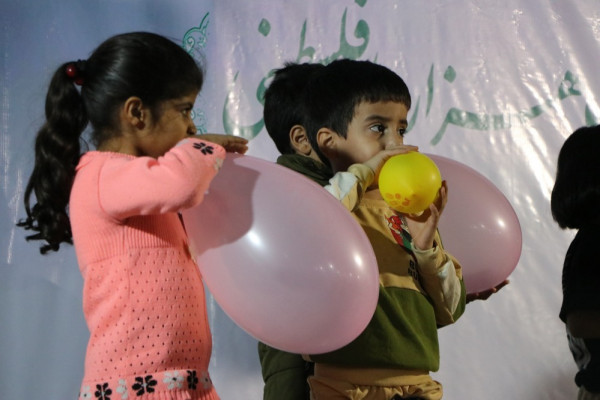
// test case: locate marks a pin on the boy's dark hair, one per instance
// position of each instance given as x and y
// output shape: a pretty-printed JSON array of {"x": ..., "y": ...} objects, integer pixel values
[
  {"x": 140, "y": 64},
  {"x": 333, "y": 94},
  {"x": 576, "y": 194},
  {"x": 284, "y": 107}
]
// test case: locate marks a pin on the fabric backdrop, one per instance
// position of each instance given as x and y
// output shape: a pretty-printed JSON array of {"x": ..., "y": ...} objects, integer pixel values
[{"x": 496, "y": 85}]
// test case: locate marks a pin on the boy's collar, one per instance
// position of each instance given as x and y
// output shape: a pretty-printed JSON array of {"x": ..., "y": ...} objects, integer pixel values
[{"x": 307, "y": 166}]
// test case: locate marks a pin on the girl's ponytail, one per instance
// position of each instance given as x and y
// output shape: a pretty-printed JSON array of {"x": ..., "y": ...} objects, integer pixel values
[
  {"x": 57, "y": 152},
  {"x": 141, "y": 64}
]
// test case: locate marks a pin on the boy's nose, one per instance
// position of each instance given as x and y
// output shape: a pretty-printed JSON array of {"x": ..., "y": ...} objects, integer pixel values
[
  {"x": 192, "y": 130},
  {"x": 393, "y": 140}
]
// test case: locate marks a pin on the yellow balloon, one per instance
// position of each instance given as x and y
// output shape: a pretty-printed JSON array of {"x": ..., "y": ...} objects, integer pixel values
[{"x": 409, "y": 182}]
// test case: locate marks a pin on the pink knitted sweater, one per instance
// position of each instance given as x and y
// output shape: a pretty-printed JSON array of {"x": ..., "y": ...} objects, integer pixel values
[{"x": 143, "y": 296}]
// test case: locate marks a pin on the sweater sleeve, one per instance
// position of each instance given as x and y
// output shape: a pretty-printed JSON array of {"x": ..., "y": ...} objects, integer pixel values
[
  {"x": 441, "y": 277},
  {"x": 349, "y": 186},
  {"x": 145, "y": 185}
]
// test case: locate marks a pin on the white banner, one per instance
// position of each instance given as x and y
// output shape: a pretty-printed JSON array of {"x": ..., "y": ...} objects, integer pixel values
[{"x": 497, "y": 86}]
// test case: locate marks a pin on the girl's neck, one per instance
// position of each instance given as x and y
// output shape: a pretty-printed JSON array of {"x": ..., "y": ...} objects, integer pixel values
[{"x": 118, "y": 145}]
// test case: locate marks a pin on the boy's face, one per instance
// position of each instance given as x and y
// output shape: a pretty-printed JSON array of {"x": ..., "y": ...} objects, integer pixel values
[{"x": 374, "y": 127}]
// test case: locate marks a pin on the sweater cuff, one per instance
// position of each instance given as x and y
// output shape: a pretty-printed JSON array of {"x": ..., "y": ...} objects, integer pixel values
[
  {"x": 364, "y": 173},
  {"x": 430, "y": 260}
]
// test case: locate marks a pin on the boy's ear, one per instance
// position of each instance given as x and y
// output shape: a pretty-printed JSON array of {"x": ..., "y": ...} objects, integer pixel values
[
  {"x": 326, "y": 139},
  {"x": 299, "y": 140},
  {"x": 134, "y": 113}
]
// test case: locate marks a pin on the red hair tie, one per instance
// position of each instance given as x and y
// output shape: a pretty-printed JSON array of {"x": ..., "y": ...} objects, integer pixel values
[{"x": 75, "y": 71}]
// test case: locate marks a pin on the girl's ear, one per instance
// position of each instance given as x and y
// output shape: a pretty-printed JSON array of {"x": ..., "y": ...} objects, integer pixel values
[
  {"x": 134, "y": 113},
  {"x": 299, "y": 140}
]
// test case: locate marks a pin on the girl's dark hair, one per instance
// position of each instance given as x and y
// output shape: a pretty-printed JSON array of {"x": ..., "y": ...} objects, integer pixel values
[
  {"x": 141, "y": 64},
  {"x": 576, "y": 194},
  {"x": 334, "y": 92}
]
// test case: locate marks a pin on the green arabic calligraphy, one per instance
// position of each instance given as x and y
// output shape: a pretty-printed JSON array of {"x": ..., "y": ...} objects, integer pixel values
[
  {"x": 231, "y": 127},
  {"x": 345, "y": 50},
  {"x": 195, "y": 39},
  {"x": 485, "y": 122}
]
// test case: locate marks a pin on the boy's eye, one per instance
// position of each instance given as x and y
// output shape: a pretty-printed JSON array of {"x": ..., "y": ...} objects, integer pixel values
[
  {"x": 402, "y": 132},
  {"x": 379, "y": 128}
]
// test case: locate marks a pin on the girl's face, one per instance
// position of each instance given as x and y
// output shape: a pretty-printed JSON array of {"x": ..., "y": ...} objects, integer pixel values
[{"x": 174, "y": 124}]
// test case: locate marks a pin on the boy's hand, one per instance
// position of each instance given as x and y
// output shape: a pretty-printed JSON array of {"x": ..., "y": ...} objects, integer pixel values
[
  {"x": 486, "y": 293},
  {"x": 422, "y": 227},
  {"x": 232, "y": 144},
  {"x": 377, "y": 161}
]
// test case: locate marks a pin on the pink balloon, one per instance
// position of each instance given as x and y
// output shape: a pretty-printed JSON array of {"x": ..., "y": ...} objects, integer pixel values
[
  {"x": 283, "y": 258},
  {"x": 478, "y": 226}
]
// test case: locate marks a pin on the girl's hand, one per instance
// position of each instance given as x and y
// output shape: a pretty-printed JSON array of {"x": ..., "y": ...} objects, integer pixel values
[
  {"x": 422, "y": 227},
  {"x": 232, "y": 144}
]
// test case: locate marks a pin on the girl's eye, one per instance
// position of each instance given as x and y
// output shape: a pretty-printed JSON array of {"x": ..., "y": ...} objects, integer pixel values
[{"x": 402, "y": 132}]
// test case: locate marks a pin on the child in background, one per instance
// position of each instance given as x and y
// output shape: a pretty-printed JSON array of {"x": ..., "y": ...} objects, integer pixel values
[
  {"x": 143, "y": 295},
  {"x": 284, "y": 114},
  {"x": 356, "y": 119},
  {"x": 285, "y": 374},
  {"x": 575, "y": 205}
]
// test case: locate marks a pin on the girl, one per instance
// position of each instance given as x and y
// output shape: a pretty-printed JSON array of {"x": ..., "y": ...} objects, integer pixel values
[
  {"x": 575, "y": 204},
  {"x": 143, "y": 296}
]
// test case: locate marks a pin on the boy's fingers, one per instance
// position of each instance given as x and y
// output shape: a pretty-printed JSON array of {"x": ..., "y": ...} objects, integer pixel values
[{"x": 405, "y": 148}]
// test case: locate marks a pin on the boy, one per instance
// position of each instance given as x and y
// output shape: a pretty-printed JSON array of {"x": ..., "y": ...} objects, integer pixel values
[
  {"x": 285, "y": 374},
  {"x": 356, "y": 119},
  {"x": 283, "y": 115}
]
